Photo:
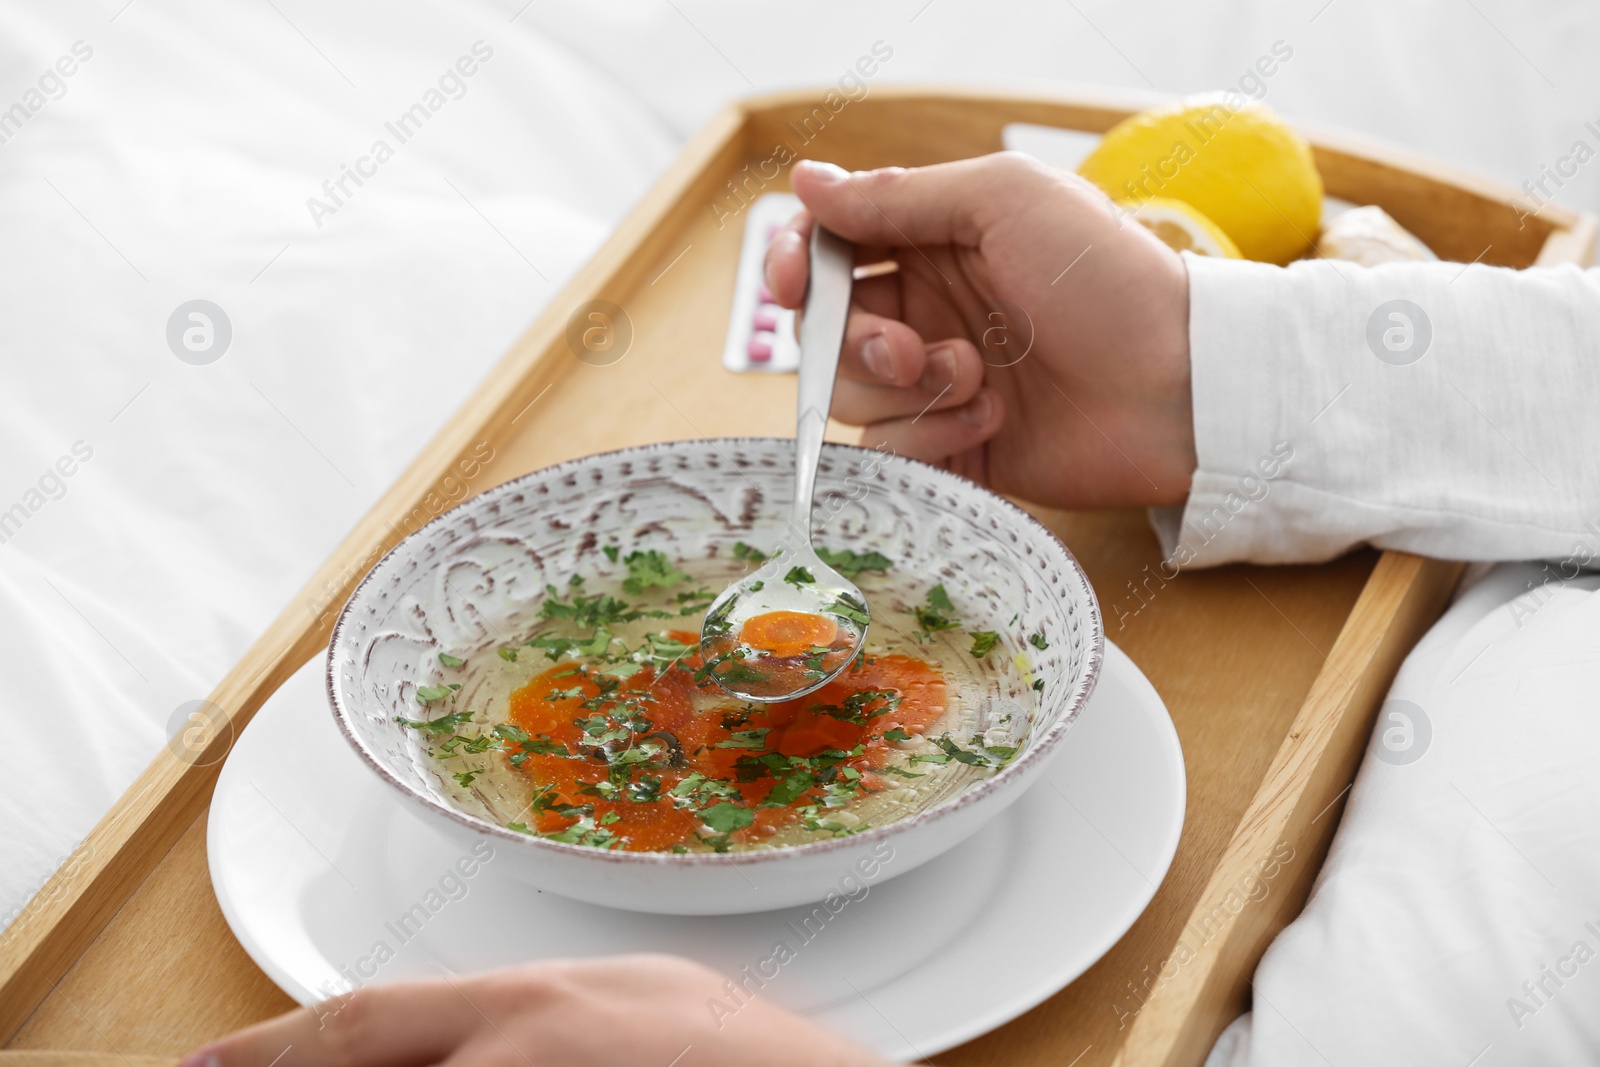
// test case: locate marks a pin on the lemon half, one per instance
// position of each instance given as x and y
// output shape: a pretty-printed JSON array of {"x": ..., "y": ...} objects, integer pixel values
[
  {"x": 1237, "y": 163},
  {"x": 1183, "y": 228}
]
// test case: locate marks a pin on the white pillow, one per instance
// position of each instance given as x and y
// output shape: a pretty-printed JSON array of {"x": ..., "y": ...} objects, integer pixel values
[{"x": 1457, "y": 919}]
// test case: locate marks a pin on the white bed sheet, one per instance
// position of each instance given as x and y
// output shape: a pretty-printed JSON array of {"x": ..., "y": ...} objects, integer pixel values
[
  {"x": 1456, "y": 911},
  {"x": 177, "y": 165}
]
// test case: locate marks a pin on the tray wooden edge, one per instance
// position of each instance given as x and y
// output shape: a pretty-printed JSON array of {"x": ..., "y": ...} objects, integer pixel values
[
  {"x": 1575, "y": 245},
  {"x": 1227, "y": 932},
  {"x": 74, "y": 1058},
  {"x": 52, "y": 931}
]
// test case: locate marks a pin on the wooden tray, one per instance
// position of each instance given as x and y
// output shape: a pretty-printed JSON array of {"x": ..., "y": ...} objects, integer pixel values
[{"x": 1273, "y": 675}]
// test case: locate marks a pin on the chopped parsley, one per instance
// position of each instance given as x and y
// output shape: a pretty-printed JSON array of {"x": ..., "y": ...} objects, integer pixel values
[
  {"x": 696, "y": 791},
  {"x": 846, "y": 606},
  {"x": 983, "y": 642},
  {"x": 860, "y": 707},
  {"x": 789, "y": 787},
  {"x": 735, "y": 671},
  {"x": 799, "y": 576},
  {"x": 852, "y": 564},
  {"x": 717, "y": 622},
  {"x": 936, "y": 613},
  {"x": 585, "y": 832},
  {"x": 589, "y": 612},
  {"x": 980, "y": 755},
  {"x": 756, "y": 738},
  {"x": 650, "y": 569},
  {"x": 444, "y": 724},
  {"x": 726, "y": 817}
]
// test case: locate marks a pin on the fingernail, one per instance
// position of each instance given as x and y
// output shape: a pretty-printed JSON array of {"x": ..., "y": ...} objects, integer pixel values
[
  {"x": 979, "y": 410},
  {"x": 940, "y": 374},
  {"x": 787, "y": 243},
  {"x": 827, "y": 173},
  {"x": 878, "y": 357},
  {"x": 200, "y": 1058}
]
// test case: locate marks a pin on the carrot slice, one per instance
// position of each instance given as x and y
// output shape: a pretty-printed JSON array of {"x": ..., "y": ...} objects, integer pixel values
[
  {"x": 788, "y": 633},
  {"x": 812, "y": 733}
]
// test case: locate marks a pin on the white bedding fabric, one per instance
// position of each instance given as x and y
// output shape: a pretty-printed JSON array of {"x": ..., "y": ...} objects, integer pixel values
[
  {"x": 1457, "y": 917},
  {"x": 177, "y": 165}
]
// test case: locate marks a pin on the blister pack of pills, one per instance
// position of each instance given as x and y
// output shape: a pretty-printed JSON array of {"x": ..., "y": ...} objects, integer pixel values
[{"x": 760, "y": 333}]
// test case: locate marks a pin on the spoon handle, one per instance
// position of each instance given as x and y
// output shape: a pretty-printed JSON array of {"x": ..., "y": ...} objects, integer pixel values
[{"x": 821, "y": 336}]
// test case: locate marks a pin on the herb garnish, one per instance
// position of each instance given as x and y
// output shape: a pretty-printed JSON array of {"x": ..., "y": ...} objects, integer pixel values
[
  {"x": 936, "y": 613},
  {"x": 444, "y": 724},
  {"x": 799, "y": 576},
  {"x": 858, "y": 708},
  {"x": 756, "y": 738},
  {"x": 726, "y": 817},
  {"x": 849, "y": 607},
  {"x": 980, "y": 755},
  {"x": 852, "y": 564},
  {"x": 650, "y": 569}
]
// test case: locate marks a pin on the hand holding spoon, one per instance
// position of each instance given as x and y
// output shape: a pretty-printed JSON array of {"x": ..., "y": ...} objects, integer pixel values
[{"x": 789, "y": 628}]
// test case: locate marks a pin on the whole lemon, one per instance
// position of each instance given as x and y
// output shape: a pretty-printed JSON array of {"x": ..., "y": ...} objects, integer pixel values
[{"x": 1234, "y": 161}]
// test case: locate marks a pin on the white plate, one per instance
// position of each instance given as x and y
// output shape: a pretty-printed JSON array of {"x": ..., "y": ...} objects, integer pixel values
[{"x": 315, "y": 862}]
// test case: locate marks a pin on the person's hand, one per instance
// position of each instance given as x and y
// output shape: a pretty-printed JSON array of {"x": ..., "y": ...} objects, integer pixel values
[
  {"x": 654, "y": 1011},
  {"x": 1033, "y": 339}
]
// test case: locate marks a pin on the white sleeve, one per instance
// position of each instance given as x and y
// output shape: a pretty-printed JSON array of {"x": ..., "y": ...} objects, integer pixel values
[{"x": 1448, "y": 410}]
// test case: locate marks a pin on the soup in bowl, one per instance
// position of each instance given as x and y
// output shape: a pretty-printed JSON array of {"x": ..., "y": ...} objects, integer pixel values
[{"x": 527, "y": 666}]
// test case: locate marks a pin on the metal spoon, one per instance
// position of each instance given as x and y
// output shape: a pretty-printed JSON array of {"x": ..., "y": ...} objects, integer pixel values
[{"x": 801, "y": 597}]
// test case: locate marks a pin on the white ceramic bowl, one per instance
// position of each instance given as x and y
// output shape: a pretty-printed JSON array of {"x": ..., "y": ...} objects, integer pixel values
[{"x": 478, "y": 572}]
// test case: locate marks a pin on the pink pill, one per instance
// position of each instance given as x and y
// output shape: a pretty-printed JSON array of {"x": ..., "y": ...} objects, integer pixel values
[
  {"x": 764, "y": 295},
  {"x": 760, "y": 349},
  {"x": 765, "y": 320}
]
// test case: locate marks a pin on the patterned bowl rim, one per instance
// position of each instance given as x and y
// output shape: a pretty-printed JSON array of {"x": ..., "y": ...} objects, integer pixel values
[{"x": 1008, "y": 776}]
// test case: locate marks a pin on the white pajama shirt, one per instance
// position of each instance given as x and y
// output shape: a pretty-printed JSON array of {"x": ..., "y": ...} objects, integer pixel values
[{"x": 1451, "y": 411}]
